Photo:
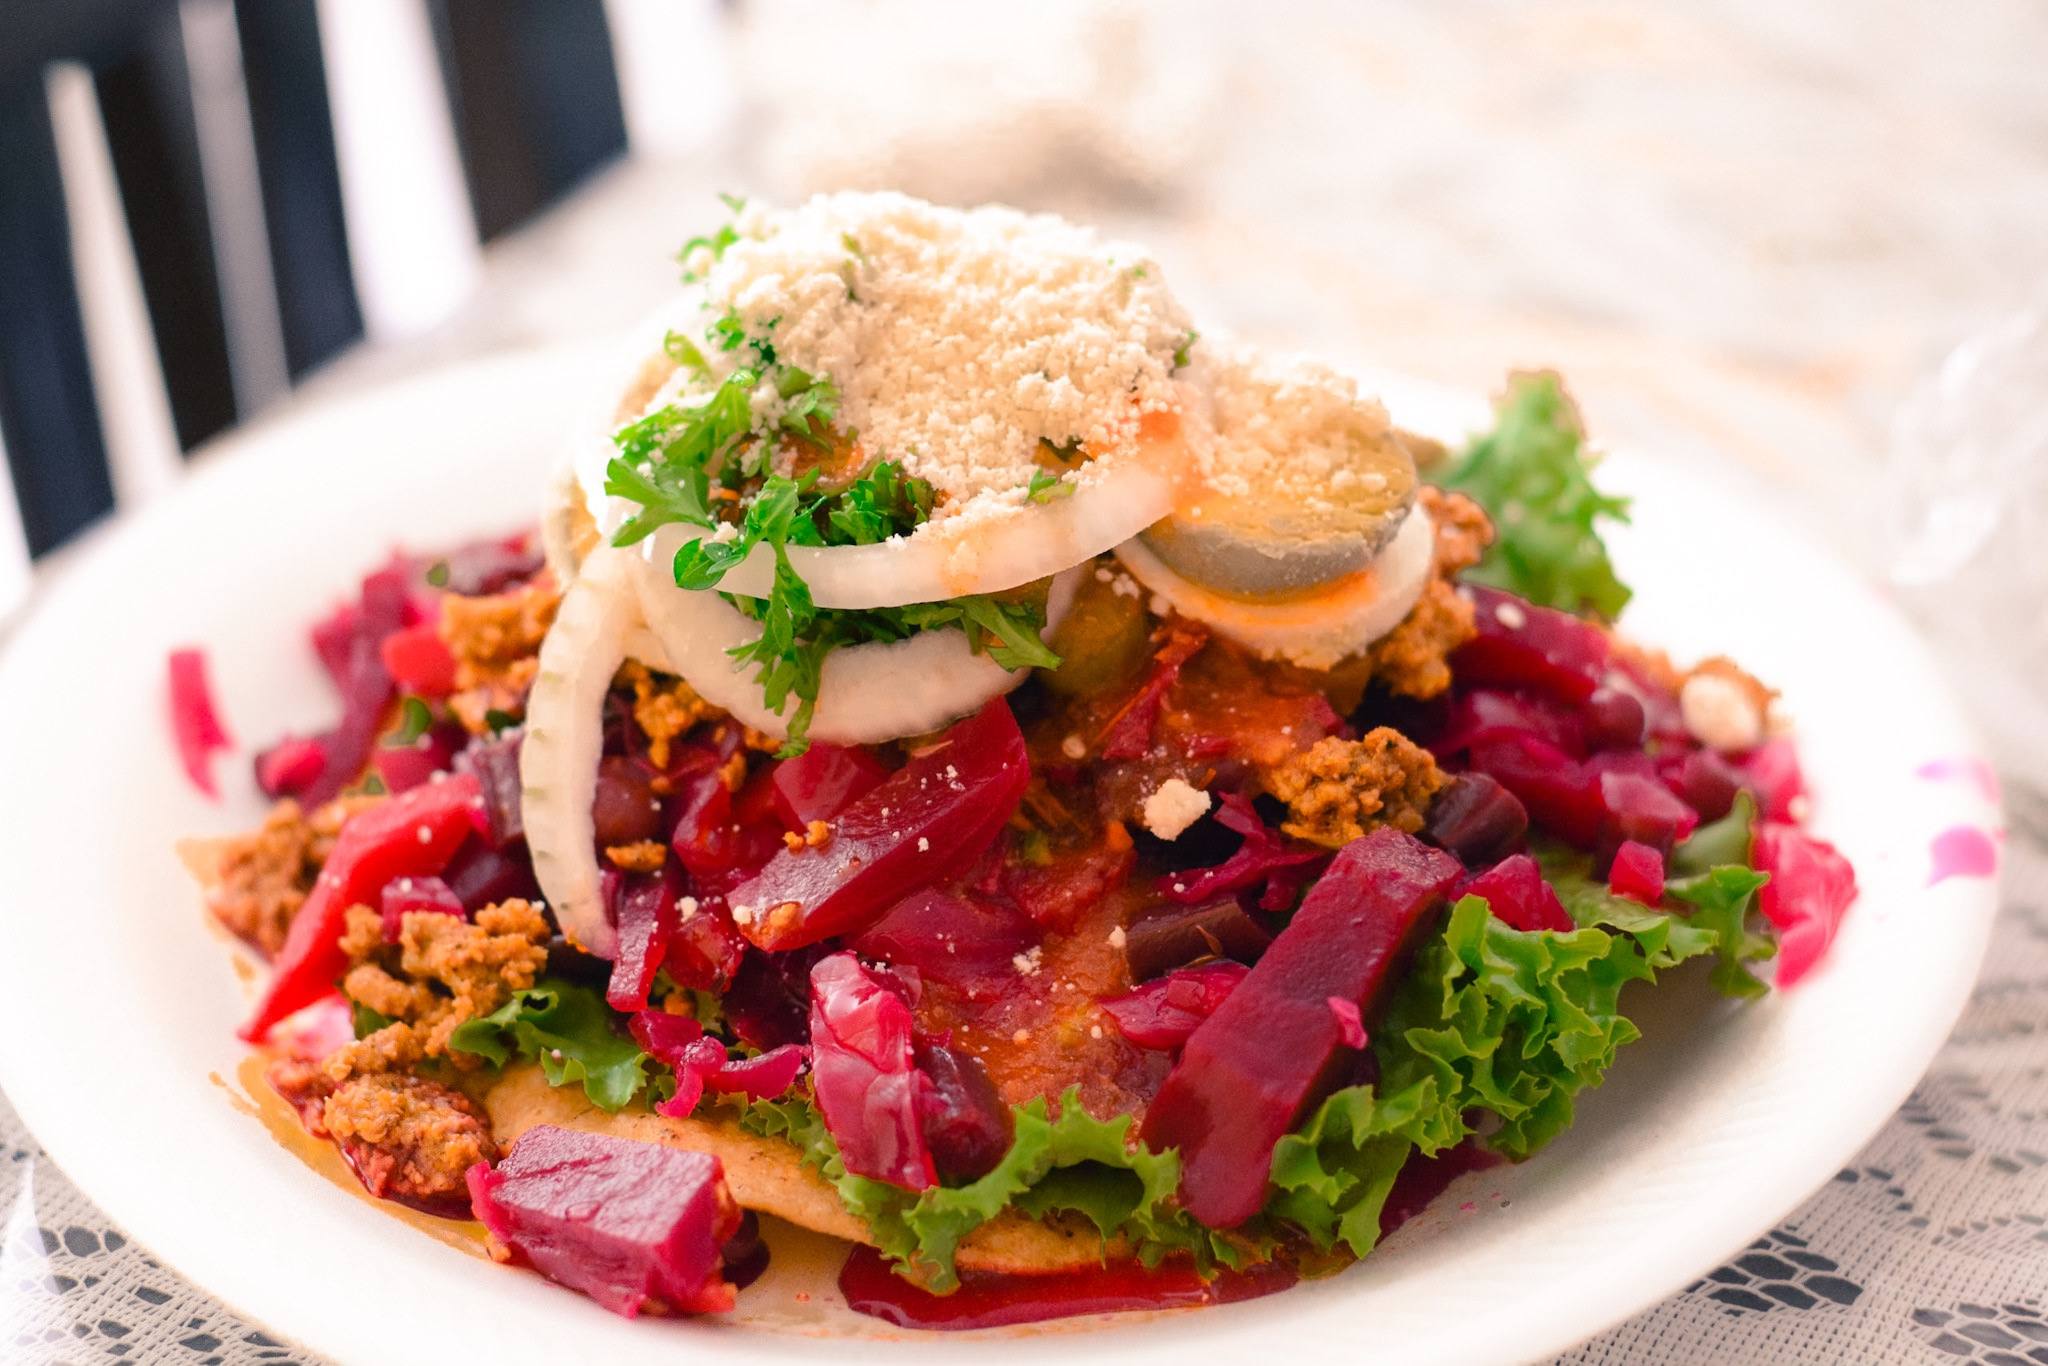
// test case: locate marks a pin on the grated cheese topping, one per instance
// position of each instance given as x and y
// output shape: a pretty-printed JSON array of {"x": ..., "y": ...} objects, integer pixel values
[
  {"x": 960, "y": 340},
  {"x": 1173, "y": 806}
]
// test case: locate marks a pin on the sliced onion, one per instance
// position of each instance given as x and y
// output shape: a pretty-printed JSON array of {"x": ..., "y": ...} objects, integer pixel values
[
  {"x": 565, "y": 738},
  {"x": 567, "y": 530},
  {"x": 956, "y": 557},
  {"x": 866, "y": 693},
  {"x": 1314, "y": 630}
]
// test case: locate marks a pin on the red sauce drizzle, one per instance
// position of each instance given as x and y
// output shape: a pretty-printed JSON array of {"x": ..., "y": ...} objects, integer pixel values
[{"x": 988, "y": 1299}]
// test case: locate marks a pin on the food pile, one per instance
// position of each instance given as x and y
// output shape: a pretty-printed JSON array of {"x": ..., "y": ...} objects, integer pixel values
[{"x": 971, "y": 765}]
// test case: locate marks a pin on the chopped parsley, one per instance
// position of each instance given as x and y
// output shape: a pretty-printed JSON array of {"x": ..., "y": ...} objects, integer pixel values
[
  {"x": 716, "y": 243},
  {"x": 1186, "y": 347},
  {"x": 1047, "y": 485},
  {"x": 415, "y": 719}
]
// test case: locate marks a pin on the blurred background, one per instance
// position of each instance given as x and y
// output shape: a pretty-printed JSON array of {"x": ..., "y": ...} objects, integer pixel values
[{"x": 1748, "y": 232}]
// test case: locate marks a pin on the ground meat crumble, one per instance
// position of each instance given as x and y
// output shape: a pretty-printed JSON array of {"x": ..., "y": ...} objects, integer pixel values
[
  {"x": 496, "y": 643},
  {"x": 443, "y": 970},
  {"x": 1410, "y": 660},
  {"x": 664, "y": 707},
  {"x": 255, "y": 883},
  {"x": 409, "y": 1138},
  {"x": 1340, "y": 789}
]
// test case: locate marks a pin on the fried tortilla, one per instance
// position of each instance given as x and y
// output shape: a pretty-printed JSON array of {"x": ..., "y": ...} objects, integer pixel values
[{"x": 766, "y": 1175}]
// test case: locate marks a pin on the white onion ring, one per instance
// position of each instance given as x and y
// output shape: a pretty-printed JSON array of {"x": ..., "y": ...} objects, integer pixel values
[
  {"x": 1315, "y": 630},
  {"x": 866, "y": 693},
  {"x": 564, "y": 740}
]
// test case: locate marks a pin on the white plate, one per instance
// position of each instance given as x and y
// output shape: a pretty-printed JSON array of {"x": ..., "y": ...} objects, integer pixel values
[{"x": 117, "y": 1007}]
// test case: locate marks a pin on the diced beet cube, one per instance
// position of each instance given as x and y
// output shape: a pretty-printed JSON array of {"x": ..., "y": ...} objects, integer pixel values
[
  {"x": 1811, "y": 888},
  {"x": 1164, "y": 1012},
  {"x": 646, "y": 919},
  {"x": 419, "y": 661},
  {"x": 1057, "y": 894},
  {"x": 1614, "y": 720},
  {"x": 635, "y": 1226},
  {"x": 1518, "y": 896},
  {"x": 1521, "y": 645},
  {"x": 1639, "y": 806},
  {"x": 1476, "y": 819},
  {"x": 404, "y": 767},
  {"x": 965, "y": 1121},
  {"x": 823, "y": 781},
  {"x": 950, "y": 940},
  {"x": 864, "y": 1071},
  {"x": 1560, "y": 794},
  {"x": 1637, "y": 873},
  {"x": 929, "y": 821},
  {"x": 483, "y": 876},
  {"x": 407, "y": 894},
  {"x": 1170, "y": 937},
  {"x": 1273, "y": 1048},
  {"x": 1703, "y": 780},
  {"x": 333, "y": 638}
]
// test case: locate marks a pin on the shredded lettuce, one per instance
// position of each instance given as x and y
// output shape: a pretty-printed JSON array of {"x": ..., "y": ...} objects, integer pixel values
[
  {"x": 1533, "y": 477},
  {"x": 568, "y": 1030}
]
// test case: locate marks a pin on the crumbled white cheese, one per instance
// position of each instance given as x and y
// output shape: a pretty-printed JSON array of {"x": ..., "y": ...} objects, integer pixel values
[
  {"x": 1117, "y": 937},
  {"x": 1720, "y": 713},
  {"x": 686, "y": 907},
  {"x": 1510, "y": 616},
  {"x": 923, "y": 845},
  {"x": 1028, "y": 962},
  {"x": 959, "y": 340},
  {"x": 744, "y": 915},
  {"x": 1174, "y": 806},
  {"x": 1074, "y": 747}
]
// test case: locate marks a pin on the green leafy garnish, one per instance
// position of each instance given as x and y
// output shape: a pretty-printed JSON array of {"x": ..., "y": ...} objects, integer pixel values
[
  {"x": 415, "y": 719},
  {"x": 500, "y": 721},
  {"x": 437, "y": 574},
  {"x": 1185, "y": 349},
  {"x": 716, "y": 243},
  {"x": 1072, "y": 1162},
  {"x": 568, "y": 1030},
  {"x": 1045, "y": 486},
  {"x": 366, "y": 1021},
  {"x": 882, "y": 503},
  {"x": 1532, "y": 475}
]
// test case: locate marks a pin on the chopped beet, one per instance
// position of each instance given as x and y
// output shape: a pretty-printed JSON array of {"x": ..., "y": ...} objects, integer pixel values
[
  {"x": 1639, "y": 806},
  {"x": 1483, "y": 713},
  {"x": 1561, "y": 794},
  {"x": 404, "y": 767},
  {"x": 929, "y": 821},
  {"x": 823, "y": 781},
  {"x": 1129, "y": 733},
  {"x": 419, "y": 661},
  {"x": 1521, "y": 645},
  {"x": 409, "y": 835},
  {"x": 635, "y": 1226},
  {"x": 701, "y": 1063},
  {"x": 407, "y": 894},
  {"x": 1164, "y": 1011},
  {"x": 494, "y": 762},
  {"x": 705, "y": 948},
  {"x": 1273, "y": 1048},
  {"x": 366, "y": 687},
  {"x": 1059, "y": 892},
  {"x": 333, "y": 638},
  {"x": 717, "y": 844},
  {"x": 1811, "y": 889},
  {"x": 1263, "y": 857},
  {"x": 1702, "y": 779},
  {"x": 769, "y": 1001},
  {"x": 966, "y": 944},
  {"x": 647, "y": 917},
  {"x": 624, "y": 809},
  {"x": 1637, "y": 873},
  {"x": 483, "y": 876},
  {"x": 1771, "y": 773},
  {"x": 1171, "y": 937},
  {"x": 492, "y": 566},
  {"x": 1518, "y": 896},
  {"x": 195, "y": 723},
  {"x": 1476, "y": 819},
  {"x": 863, "y": 1069},
  {"x": 1614, "y": 719},
  {"x": 290, "y": 766},
  {"x": 761, "y": 1077},
  {"x": 966, "y": 1123}
]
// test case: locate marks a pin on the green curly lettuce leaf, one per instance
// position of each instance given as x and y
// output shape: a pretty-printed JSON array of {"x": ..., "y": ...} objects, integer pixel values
[
  {"x": 1533, "y": 476},
  {"x": 568, "y": 1030},
  {"x": 1070, "y": 1161}
]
